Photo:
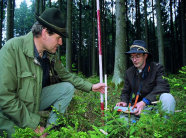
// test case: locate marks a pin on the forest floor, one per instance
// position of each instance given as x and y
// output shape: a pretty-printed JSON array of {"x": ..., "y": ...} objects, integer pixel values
[{"x": 83, "y": 117}]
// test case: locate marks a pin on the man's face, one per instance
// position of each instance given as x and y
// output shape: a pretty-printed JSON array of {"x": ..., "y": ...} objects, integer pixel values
[
  {"x": 139, "y": 60},
  {"x": 52, "y": 42}
]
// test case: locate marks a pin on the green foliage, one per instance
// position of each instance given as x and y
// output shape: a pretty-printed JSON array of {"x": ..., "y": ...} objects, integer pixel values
[
  {"x": 23, "y": 133},
  {"x": 83, "y": 118},
  {"x": 63, "y": 60},
  {"x": 178, "y": 87},
  {"x": 4, "y": 135},
  {"x": 24, "y": 19},
  {"x": 156, "y": 125},
  {"x": 115, "y": 126}
]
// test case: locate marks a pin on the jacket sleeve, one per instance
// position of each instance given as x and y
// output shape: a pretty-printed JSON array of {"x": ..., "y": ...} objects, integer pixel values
[
  {"x": 66, "y": 76},
  {"x": 161, "y": 84},
  {"x": 125, "y": 94},
  {"x": 10, "y": 103}
]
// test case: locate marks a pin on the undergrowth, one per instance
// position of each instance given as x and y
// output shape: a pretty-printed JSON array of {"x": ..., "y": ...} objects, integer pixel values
[{"x": 83, "y": 118}]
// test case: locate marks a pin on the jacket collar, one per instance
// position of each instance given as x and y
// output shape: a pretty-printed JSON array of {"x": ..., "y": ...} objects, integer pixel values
[{"x": 28, "y": 45}]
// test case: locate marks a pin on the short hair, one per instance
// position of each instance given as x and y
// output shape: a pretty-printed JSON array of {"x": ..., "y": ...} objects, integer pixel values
[{"x": 37, "y": 29}]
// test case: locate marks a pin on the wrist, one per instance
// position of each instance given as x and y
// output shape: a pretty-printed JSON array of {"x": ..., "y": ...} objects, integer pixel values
[
  {"x": 146, "y": 101},
  {"x": 144, "y": 104}
]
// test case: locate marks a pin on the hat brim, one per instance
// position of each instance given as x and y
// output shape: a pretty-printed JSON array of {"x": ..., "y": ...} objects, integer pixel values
[
  {"x": 138, "y": 52},
  {"x": 60, "y": 31},
  {"x": 134, "y": 51}
]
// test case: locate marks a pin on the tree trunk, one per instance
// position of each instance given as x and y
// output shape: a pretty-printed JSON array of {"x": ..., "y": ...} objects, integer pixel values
[
  {"x": 42, "y": 6},
  {"x": 120, "y": 48},
  {"x": 50, "y": 4},
  {"x": 37, "y": 3},
  {"x": 127, "y": 23},
  {"x": 183, "y": 30},
  {"x": 173, "y": 48},
  {"x": 12, "y": 21},
  {"x": 113, "y": 37},
  {"x": 93, "y": 39},
  {"x": 59, "y": 48},
  {"x": 138, "y": 17},
  {"x": 69, "y": 39},
  {"x": 1, "y": 22},
  {"x": 10, "y": 9},
  {"x": 104, "y": 38},
  {"x": 160, "y": 33},
  {"x": 176, "y": 35},
  {"x": 153, "y": 18},
  {"x": 146, "y": 23},
  {"x": 80, "y": 37},
  {"x": 60, "y": 4},
  {"x": 153, "y": 46}
]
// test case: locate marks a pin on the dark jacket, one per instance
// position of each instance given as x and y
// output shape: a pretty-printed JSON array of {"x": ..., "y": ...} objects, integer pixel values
[{"x": 151, "y": 81}]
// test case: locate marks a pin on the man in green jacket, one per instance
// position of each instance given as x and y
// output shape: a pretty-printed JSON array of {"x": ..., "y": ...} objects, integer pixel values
[{"x": 32, "y": 78}]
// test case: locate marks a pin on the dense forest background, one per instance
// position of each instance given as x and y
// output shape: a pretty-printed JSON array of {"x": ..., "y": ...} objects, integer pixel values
[{"x": 160, "y": 23}]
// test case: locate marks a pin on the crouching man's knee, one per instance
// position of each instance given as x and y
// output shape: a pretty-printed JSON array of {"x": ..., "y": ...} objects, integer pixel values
[{"x": 168, "y": 102}]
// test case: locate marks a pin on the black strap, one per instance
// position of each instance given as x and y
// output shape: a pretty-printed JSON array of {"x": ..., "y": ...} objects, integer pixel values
[
  {"x": 144, "y": 75},
  {"x": 54, "y": 78}
]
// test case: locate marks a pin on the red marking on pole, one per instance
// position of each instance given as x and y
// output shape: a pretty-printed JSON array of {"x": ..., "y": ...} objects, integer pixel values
[
  {"x": 102, "y": 108},
  {"x": 99, "y": 32}
]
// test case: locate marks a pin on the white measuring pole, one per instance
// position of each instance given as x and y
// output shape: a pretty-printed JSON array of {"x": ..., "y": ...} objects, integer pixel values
[
  {"x": 105, "y": 91},
  {"x": 100, "y": 54}
]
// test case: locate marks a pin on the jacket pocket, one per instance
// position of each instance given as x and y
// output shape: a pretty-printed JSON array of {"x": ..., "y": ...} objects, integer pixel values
[{"x": 26, "y": 91}]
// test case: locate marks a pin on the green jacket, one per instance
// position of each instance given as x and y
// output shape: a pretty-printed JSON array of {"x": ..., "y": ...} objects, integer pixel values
[{"x": 21, "y": 83}]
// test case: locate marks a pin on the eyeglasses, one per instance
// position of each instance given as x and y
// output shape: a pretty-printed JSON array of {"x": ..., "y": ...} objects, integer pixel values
[{"x": 136, "y": 57}]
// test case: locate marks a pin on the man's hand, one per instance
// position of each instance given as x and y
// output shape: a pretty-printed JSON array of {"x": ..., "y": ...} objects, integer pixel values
[
  {"x": 121, "y": 104},
  {"x": 40, "y": 130},
  {"x": 99, "y": 87},
  {"x": 139, "y": 107}
]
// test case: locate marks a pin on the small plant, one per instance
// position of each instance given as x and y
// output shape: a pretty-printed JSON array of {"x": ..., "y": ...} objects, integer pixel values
[{"x": 23, "y": 133}]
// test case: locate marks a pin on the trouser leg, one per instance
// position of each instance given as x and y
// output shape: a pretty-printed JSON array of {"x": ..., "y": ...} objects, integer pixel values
[
  {"x": 59, "y": 95},
  {"x": 168, "y": 102}
]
